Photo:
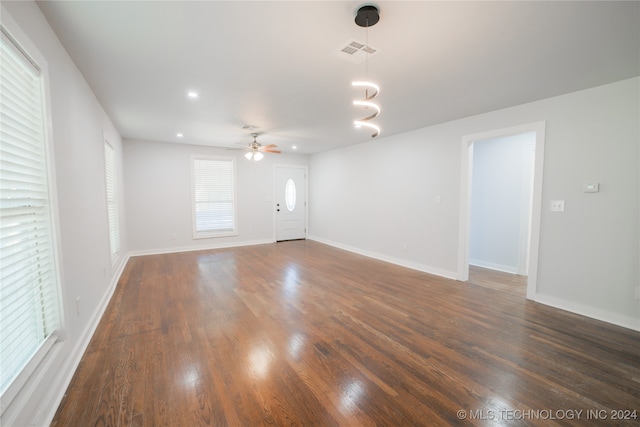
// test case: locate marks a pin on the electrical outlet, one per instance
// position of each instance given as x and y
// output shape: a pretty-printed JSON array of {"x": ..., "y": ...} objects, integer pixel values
[
  {"x": 78, "y": 306},
  {"x": 174, "y": 236},
  {"x": 557, "y": 206}
]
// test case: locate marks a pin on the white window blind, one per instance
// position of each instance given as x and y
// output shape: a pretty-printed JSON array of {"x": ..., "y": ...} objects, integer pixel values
[
  {"x": 28, "y": 276},
  {"x": 213, "y": 197},
  {"x": 112, "y": 201}
]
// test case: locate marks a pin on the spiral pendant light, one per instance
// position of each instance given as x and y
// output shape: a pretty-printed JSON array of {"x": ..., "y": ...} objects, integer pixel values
[{"x": 367, "y": 16}]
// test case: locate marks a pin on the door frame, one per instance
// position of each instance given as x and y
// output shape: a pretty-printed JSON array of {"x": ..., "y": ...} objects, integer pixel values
[
  {"x": 275, "y": 193},
  {"x": 466, "y": 174}
]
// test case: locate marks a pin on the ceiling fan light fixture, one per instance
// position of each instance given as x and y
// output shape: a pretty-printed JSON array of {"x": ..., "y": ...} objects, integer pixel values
[{"x": 255, "y": 150}]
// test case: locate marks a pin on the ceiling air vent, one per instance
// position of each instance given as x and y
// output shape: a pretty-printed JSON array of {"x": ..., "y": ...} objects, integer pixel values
[
  {"x": 356, "y": 52},
  {"x": 350, "y": 50}
]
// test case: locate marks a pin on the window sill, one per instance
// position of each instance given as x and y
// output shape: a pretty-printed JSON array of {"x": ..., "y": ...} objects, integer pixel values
[{"x": 210, "y": 235}]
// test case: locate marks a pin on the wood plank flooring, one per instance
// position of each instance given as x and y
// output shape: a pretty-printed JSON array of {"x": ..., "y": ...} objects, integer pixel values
[
  {"x": 303, "y": 334},
  {"x": 498, "y": 281}
]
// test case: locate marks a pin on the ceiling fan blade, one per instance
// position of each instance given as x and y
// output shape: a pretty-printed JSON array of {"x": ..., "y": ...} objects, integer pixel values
[
  {"x": 273, "y": 151},
  {"x": 270, "y": 146}
]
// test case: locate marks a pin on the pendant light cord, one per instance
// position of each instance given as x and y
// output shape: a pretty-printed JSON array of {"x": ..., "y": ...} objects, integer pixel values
[{"x": 366, "y": 56}]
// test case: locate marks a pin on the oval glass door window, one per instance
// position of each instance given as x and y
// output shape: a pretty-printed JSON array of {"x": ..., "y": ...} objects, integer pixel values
[{"x": 290, "y": 194}]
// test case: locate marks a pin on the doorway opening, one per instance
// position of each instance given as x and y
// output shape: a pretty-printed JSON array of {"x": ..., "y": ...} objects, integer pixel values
[{"x": 500, "y": 204}]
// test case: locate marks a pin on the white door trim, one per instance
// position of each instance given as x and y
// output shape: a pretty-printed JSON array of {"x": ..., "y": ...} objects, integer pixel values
[
  {"x": 536, "y": 209},
  {"x": 275, "y": 194}
]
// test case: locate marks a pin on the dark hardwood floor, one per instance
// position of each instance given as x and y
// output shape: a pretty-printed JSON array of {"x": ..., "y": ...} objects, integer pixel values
[
  {"x": 498, "y": 281},
  {"x": 300, "y": 333}
]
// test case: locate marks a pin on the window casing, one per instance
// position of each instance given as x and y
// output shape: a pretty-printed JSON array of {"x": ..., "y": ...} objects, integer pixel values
[
  {"x": 112, "y": 201},
  {"x": 214, "y": 196},
  {"x": 29, "y": 275}
]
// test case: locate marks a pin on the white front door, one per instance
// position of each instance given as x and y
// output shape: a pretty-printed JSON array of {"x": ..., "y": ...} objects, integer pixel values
[{"x": 291, "y": 203}]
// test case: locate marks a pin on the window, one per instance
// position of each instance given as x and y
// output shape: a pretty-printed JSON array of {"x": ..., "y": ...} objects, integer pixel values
[
  {"x": 29, "y": 313},
  {"x": 112, "y": 201},
  {"x": 290, "y": 194},
  {"x": 214, "y": 207}
]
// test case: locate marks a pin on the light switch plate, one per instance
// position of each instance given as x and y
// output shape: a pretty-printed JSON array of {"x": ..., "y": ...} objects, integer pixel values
[{"x": 592, "y": 187}]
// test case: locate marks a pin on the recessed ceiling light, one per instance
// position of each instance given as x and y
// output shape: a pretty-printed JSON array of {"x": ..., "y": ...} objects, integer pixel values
[
  {"x": 179, "y": 135},
  {"x": 192, "y": 95},
  {"x": 294, "y": 147}
]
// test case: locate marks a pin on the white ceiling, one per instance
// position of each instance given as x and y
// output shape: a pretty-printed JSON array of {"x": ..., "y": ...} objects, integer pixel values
[{"x": 275, "y": 65}]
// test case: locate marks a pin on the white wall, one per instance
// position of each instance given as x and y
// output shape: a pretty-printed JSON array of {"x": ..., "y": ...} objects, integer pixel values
[
  {"x": 78, "y": 122},
  {"x": 500, "y": 195},
  {"x": 377, "y": 196},
  {"x": 158, "y": 196}
]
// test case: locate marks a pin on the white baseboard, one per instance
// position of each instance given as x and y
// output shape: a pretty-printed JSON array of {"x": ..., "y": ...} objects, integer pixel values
[
  {"x": 198, "y": 248},
  {"x": 393, "y": 260},
  {"x": 583, "y": 310},
  {"x": 491, "y": 266},
  {"x": 592, "y": 312},
  {"x": 59, "y": 388},
  {"x": 52, "y": 400}
]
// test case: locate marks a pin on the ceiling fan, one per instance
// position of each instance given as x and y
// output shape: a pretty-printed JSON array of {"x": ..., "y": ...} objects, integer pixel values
[{"x": 255, "y": 149}]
